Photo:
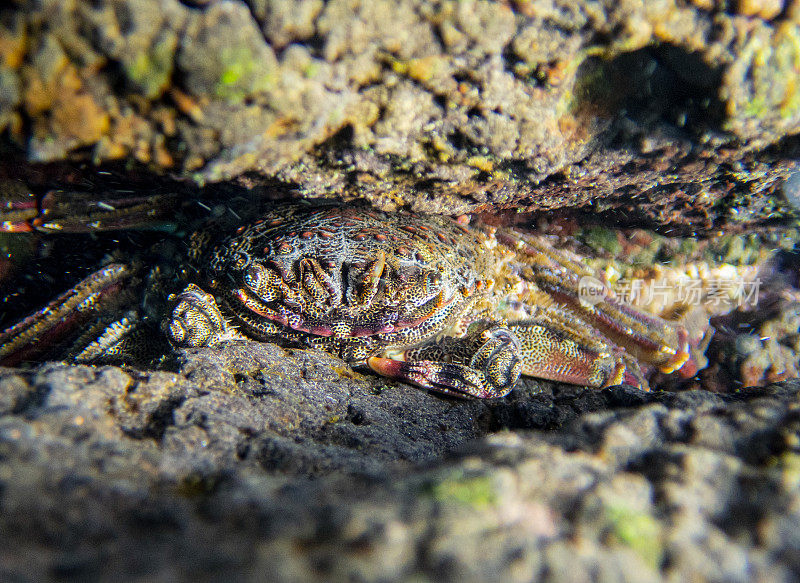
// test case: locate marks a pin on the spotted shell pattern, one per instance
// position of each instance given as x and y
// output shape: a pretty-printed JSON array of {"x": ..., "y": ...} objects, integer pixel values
[{"x": 352, "y": 281}]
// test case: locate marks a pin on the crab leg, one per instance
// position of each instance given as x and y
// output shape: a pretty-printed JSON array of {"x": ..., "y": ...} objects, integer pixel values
[
  {"x": 61, "y": 318},
  {"x": 318, "y": 283},
  {"x": 16, "y": 216},
  {"x": 555, "y": 348},
  {"x": 83, "y": 212},
  {"x": 487, "y": 363},
  {"x": 645, "y": 337},
  {"x": 364, "y": 293}
]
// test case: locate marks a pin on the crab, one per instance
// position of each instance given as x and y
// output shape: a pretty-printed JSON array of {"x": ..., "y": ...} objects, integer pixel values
[{"x": 458, "y": 309}]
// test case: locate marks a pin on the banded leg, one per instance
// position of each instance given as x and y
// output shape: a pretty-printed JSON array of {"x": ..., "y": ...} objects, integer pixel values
[
  {"x": 57, "y": 324},
  {"x": 556, "y": 347},
  {"x": 646, "y": 337}
]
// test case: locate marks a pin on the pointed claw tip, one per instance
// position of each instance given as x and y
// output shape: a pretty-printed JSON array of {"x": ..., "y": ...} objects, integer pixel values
[
  {"x": 631, "y": 379},
  {"x": 675, "y": 363},
  {"x": 619, "y": 376},
  {"x": 385, "y": 366},
  {"x": 682, "y": 354}
]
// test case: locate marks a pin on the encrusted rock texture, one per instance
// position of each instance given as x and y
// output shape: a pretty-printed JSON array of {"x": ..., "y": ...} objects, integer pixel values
[
  {"x": 674, "y": 112},
  {"x": 255, "y": 462}
]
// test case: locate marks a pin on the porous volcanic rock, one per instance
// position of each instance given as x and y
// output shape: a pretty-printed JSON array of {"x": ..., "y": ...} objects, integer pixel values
[
  {"x": 668, "y": 111},
  {"x": 251, "y": 461}
]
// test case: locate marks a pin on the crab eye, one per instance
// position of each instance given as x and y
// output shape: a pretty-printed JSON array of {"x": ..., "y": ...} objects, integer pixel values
[
  {"x": 502, "y": 335},
  {"x": 254, "y": 276},
  {"x": 433, "y": 279}
]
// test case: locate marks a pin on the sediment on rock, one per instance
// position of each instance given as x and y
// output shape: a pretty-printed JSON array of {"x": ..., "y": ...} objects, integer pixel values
[{"x": 664, "y": 110}]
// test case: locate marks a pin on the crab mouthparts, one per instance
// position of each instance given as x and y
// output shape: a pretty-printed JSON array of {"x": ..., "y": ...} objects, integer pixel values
[{"x": 339, "y": 325}]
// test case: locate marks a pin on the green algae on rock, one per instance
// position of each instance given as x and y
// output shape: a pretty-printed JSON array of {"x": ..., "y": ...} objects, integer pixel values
[{"x": 436, "y": 106}]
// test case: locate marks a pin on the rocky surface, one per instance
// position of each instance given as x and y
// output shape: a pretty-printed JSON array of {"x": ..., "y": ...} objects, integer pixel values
[
  {"x": 673, "y": 112},
  {"x": 255, "y": 462}
]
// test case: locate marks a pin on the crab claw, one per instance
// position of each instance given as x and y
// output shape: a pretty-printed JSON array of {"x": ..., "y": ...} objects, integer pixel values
[
  {"x": 492, "y": 371},
  {"x": 196, "y": 320}
]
